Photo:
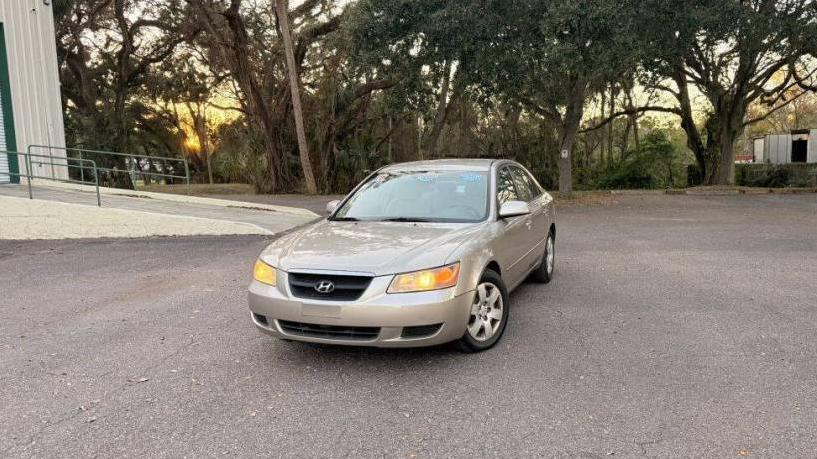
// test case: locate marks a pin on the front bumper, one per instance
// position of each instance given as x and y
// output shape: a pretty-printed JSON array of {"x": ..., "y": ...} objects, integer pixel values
[{"x": 390, "y": 313}]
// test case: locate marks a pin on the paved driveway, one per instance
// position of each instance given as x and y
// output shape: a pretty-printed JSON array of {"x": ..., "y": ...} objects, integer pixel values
[
  {"x": 677, "y": 326},
  {"x": 269, "y": 220}
]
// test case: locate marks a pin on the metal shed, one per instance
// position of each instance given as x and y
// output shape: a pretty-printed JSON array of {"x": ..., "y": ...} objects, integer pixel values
[
  {"x": 30, "y": 103},
  {"x": 798, "y": 146}
]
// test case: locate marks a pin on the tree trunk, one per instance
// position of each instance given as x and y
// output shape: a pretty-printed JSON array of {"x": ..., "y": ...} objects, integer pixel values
[
  {"x": 732, "y": 110},
  {"x": 625, "y": 139},
  {"x": 694, "y": 140},
  {"x": 282, "y": 12},
  {"x": 430, "y": 144},
  {"x": 726, "y": 169},
  {"x": 567, "y": 137},
  {"x": 200, "y": 122},
  {"x": 146, "y": 177},
  {"x": 633, "y": 119},
  {"x": 419, "y": 138},
  {"x": 609, "y": 160},
  {"x": 236, "y": 51},
  {"x": 391, "y": 143},
  {"x": 603, "y": 135},
  {"x": 716, "y": 157},
  {"x": 722, "y": 130}
]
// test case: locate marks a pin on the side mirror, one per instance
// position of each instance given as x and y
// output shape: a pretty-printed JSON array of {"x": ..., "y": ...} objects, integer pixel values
[
  {"x": 332, "y": 206},
  {"x": 514, "y": 209}
]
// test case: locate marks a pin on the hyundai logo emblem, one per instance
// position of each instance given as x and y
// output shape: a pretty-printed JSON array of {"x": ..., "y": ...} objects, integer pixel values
[{"x": 325, "y": 287}]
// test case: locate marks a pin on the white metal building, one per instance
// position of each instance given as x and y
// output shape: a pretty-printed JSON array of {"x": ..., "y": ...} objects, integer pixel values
[
  {"x": 30, "y": 104},
  {"x": 799, "y": 146}
]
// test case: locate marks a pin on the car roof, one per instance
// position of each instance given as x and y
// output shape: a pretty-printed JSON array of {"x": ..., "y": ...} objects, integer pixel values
[{"x": 442, "y": 165}]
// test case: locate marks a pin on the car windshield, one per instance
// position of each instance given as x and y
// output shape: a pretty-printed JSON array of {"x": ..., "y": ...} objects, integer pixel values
[{"x": 420, "y": 196}]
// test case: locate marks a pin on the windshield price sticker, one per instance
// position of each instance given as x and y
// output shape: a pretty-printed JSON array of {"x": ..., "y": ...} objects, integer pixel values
[{"x": 470, "y": 177}]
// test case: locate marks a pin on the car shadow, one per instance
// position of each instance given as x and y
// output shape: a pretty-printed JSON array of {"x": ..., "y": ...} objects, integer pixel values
[
  {"x": 333, "y": 356},
  {"x": 331, "y": 351}
]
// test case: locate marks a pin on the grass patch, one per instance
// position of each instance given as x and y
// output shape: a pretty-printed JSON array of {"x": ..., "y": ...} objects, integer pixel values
[
  {"x": 584, "y": 199},
  {"x": 724, "y": 189},
  {"x": 200, "y": 189}
]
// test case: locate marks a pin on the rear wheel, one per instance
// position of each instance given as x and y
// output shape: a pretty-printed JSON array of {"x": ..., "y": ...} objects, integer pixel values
[
  {"x": 488, "y": 316},
  {"x": 544, "y": 273}
]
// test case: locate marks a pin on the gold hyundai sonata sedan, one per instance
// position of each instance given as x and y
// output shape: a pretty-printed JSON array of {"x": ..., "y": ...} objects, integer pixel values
[{"x": 417, "y": 254}]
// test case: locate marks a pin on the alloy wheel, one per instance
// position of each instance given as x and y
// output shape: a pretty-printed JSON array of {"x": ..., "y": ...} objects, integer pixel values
[
  {"x": 486, "y": 312},
  {"x": 550, "y": 255}
]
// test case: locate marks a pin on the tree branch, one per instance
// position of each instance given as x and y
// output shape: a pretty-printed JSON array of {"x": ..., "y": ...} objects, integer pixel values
[
  {"x": 632, "y": 111},
  {"x": 544, "y": 112},
  {"x": 225, "y": 107},
  {"x": 377, "y": 85},
  {"x": 773, "y": 110}
]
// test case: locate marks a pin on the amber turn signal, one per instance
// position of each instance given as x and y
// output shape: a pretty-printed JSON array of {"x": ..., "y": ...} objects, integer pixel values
[{"x": 264, "y": 273}]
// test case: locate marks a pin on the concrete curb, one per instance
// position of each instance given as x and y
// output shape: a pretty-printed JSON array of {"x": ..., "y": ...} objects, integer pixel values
[
  {"x": 176, "y": 198},
  {"x": 712, "y": 192},
  {"x": 26, "y": 219},
  {"x": 638, "y": 192},
  {"x": 706, "y": 192}
]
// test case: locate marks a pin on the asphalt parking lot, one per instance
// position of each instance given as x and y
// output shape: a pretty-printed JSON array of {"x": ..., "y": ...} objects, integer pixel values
[{"x": 676, "y": 326}]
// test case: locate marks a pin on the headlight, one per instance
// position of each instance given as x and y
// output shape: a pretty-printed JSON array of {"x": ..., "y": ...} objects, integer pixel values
[
  {"x": 265, "y": 273},
  {"x": 425, "y": 280}
]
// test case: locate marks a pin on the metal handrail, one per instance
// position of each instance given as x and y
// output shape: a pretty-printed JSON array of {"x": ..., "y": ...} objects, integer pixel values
[
  {"x": 80, "y": 151},
  {"x": 29, "y": 175}
]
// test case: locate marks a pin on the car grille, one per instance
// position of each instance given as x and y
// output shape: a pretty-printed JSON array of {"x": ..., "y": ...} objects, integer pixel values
[
  {"x": 329, "y": 331},
  {"x": 346, "y": 288}
]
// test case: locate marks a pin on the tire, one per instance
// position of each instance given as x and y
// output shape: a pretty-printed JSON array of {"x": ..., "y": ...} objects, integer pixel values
[
  {"x": 485, "y": 325},
  {"x": 544, "y": 273}
]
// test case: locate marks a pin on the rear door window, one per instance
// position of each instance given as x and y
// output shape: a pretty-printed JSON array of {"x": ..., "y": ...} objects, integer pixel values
[
  {"x": 505, "y": 189},
  {"x": 536, "y": 189},
  {"x": 527, "y": 192}
]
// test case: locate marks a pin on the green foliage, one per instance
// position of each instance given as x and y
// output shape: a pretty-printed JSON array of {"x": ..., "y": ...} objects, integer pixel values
[
  {"x": 546, "y": 57},
  {"x": 776, "y": 175},
  {"x": 489, "y": 78},
  {"x": 771, "y": 177},
  {"x": 354, "y": 164},
  {"x": 694, "y": 175},
  {"x": 240, "y": 157},
  {"x": 526, "y": 52},
  {"x": 735, "y": 53},
  {"x": 656, "y": 164},
  {"x": 108, "y": 54}
]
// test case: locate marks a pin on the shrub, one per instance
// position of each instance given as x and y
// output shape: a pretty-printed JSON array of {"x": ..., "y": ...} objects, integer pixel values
[
  {"x": 656, "y": 164},
  {"x": 763, "y": 176}
]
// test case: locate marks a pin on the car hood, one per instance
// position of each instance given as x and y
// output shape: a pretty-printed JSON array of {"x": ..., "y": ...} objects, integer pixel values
[{"x": 378, "y": 248}]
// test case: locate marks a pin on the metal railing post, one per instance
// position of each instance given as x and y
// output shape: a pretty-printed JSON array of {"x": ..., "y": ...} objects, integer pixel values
[
  {"x": 81, "y": 169},
  {"x": 187, "y": 175},
  {"x": 96, "y": 182},
  {"x": 29, "y": 172}
]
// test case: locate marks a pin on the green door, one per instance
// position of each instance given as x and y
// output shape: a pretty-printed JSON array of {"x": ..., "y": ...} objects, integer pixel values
[{"x": 8, "y": 162}]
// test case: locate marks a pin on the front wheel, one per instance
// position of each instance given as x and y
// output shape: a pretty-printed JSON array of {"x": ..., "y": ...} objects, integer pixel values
[
  {"x": 489, "y": 314},
  {"x": 544, "y": 273}
]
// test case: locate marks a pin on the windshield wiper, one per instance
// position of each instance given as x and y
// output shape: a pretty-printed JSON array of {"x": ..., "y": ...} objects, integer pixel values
[
  {"x": 344, "y": 219},
  {"x": 407, "y": 219}
]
